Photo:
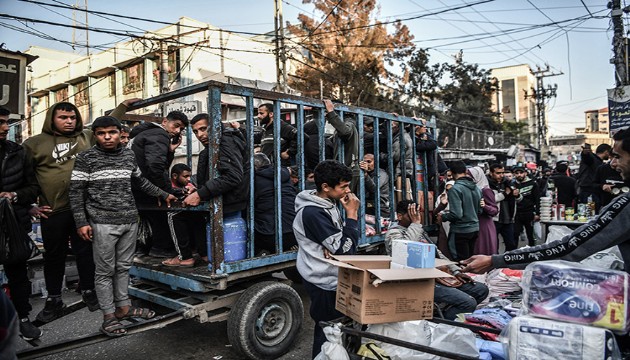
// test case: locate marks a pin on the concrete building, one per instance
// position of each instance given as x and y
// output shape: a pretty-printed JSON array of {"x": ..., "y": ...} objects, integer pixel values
[
  {"x": 514, "y": 82},
  {"x": 594, "y": 132},
  {"x": 195, "y": 51}
]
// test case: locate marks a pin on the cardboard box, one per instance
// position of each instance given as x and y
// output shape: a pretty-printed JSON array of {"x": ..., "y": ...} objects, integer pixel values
[
  {"x": 413, "y": 254},
  {"x": 369, "y": 292}
]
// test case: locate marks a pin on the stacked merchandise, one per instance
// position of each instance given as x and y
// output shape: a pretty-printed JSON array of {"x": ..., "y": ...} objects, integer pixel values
[
  {"x": 502, "y": 283},
  {"x": 571, "y": 310},
  {"x": 492, "y": 318},
  {"x": 546, "y": 213}
]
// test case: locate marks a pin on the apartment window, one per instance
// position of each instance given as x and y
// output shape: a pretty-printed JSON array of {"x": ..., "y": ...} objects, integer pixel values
[
  {"x": 173, "y": 68},
  {"x": 133, "y": 78},
  {"x": 509, "y": 99},
  {"x": 112, "y": 84},
  {"x": 61, "y": 95},
  {"x": 81, "y": 94}
]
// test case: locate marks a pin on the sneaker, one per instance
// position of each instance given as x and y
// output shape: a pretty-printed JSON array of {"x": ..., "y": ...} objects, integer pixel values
[
  {"x": 162, "y": 254},
  {"x": 52, "y": 310},
  {"x": 28, "y": 331},
  {"x": 90, "y": 299}
]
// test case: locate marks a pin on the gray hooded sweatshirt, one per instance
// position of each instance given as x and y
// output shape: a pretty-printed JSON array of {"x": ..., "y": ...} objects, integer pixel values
[{"x": 318, "y": 224}]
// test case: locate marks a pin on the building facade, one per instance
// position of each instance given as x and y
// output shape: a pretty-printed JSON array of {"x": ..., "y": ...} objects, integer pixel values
[{"x": 514, "y": 82}]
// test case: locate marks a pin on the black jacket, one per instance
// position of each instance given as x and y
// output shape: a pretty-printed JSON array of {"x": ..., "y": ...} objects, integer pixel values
[
  {"x": 605, "y": 174},
  {"x": 531, "y": 195},
  {"x": 565, "y": 185},
  {"x": 151, "y": 145},
  {"x": 588, "y": 167},
  {"x": 311, "y": 147},
  {"x": 507, "y": 203},
  {"x": 233, "y": 172},
  {"x": 288, "y": 141},
  {"x": 17, "y": 175},
  {"x": 428, "y": 146},
  {"x": 264, "y": 189}
]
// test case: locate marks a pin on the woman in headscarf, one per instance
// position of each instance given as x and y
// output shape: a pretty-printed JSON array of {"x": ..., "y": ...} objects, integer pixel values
[{"x": 487, "y": 241}]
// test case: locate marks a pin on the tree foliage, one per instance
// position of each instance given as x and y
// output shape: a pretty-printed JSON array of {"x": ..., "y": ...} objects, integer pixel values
[{"x": 348, "y": 52}]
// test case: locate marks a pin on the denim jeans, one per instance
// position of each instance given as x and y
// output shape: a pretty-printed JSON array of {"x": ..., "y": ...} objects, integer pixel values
[{"x": 463, "y": 299}]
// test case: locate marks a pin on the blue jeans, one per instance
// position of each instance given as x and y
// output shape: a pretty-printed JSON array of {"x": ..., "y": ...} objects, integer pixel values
[{"x": 463, "y": 299}]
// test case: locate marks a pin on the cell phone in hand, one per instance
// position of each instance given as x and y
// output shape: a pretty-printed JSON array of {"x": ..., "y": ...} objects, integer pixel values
[{"x": 175, "y": 139}]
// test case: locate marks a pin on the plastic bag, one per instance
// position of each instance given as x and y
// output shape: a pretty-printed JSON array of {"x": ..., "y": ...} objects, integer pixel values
[
  {"x": 422, "y": 332},
  {"x": 572, "y": 292},
  {"x": 531, "y": 338},
  {"x": 537, "y": 231},
  {"x": 15, "y": 243},
  {"x": 606, "y": 260},
  {"x": 372, "y": 351},
  {"x": 557, "y": 232},
  {"x": 332, "y": 349}
]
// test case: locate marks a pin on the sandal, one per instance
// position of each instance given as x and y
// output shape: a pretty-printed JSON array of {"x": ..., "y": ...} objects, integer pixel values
[
  {"x": 113, "y": 328},
  {"x": 176, "y": 261},
  {"x": 136, "y": 312}
]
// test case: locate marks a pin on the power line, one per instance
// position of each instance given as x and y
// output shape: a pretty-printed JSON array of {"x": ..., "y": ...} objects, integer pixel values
[
  {"x": 326, "y": 17},
  {"x": 406, "y": 19}
]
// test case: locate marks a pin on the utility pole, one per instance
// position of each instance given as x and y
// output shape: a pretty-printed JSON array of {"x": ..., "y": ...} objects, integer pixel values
[
  {"x": 540, "y": 94},
  {"x": 75, "y": 22},
  {"x": 619, "y": 44},
  {"x": 281, "y": 57}
]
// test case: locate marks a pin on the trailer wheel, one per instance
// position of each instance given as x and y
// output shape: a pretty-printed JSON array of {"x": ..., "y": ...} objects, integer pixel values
[{"x": 265, "y": 320}]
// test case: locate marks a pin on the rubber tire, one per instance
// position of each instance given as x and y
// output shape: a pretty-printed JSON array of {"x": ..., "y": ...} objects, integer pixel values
[
  {"x": 293, "y": 275},
  {"x": 241, "y": 324}
]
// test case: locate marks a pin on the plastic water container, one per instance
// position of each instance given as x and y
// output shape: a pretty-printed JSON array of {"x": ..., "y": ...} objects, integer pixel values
[{"x": 234, "y": 237}]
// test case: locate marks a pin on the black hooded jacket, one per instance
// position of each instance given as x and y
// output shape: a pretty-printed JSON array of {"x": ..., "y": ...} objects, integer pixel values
[
  {"x": 17, "y": 175},
  {"x": 264, "y": 201},
  {"x": 233, "y": 172},
  {"x": 151, "y": 145}
]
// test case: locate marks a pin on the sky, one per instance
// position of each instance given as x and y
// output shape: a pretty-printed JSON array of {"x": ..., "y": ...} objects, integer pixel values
[{"x": 576, "y": 41}]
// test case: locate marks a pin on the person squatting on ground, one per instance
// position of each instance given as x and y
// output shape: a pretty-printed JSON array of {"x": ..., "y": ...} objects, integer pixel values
[
  {"x": 18, "y": 185},
  {"x": 320, "y": 231},
  {"x": 457, "y": 300},
  {"x": 464, "y": 200},
  {"x": 105, "y": 214}
]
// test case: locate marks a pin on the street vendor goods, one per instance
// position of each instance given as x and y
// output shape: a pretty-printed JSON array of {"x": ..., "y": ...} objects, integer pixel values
[
  {"x": 532, "y": 338},
  {"x": 571, "y": 292}
]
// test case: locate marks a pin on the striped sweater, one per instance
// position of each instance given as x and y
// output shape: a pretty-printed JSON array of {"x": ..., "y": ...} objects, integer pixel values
[{"x": 100, "y": 187}]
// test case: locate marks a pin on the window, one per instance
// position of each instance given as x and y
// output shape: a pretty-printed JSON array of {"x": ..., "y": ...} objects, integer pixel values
[
  {"x": 112, "y": 84},
  {"x": 61, "y": 95},
  {"x": 81, "y": 97},
  {"x": 133, "y": 78},
  {"x": 173, "y": 68}
]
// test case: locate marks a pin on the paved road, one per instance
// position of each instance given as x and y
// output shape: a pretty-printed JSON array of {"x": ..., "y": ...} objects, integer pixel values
[{"x": 183, "y": 340}]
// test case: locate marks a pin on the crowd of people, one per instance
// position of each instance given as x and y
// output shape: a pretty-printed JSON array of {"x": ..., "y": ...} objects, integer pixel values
[{"x": 89, "y": 187}]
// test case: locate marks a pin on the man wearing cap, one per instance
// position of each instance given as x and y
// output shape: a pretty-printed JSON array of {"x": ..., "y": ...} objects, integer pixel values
[
  {"x": 527, "y": 209},
  {"x": 105, "y": 214}
]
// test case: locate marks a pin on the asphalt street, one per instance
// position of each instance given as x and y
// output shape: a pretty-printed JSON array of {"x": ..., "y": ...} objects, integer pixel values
[{"x": 186, "y": 339}]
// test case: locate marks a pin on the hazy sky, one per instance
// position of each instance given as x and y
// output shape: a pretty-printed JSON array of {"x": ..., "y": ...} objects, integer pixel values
[{"x": 494, "y": 34}]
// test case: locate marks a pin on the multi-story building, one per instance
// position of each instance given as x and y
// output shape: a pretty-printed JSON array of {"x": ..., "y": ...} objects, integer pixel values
[
  {"x": 594, "y": 132},
  {"x": 514, "y": 82},
  {"x": 193, "y": 51}
]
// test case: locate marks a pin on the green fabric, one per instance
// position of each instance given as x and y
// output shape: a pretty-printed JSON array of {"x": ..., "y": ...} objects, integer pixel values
[{"x": 464, "y": 206}]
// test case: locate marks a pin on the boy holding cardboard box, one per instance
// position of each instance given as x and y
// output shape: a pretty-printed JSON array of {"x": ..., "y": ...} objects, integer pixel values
[
  {"x": 320, "y": 231},
  {"x": 462, "y": 296}
]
